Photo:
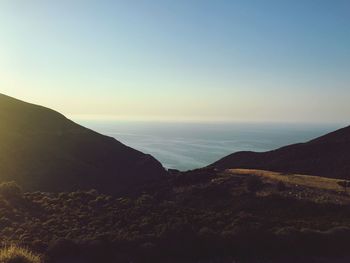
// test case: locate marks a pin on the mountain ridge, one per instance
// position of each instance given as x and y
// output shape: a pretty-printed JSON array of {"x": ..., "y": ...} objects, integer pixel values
[
  {"x": 43, "y": 150},
  {"x": 327, "y": 155}
]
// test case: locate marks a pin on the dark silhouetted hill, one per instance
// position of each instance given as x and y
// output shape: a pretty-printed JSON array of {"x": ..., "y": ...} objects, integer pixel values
[
  {"x": 327, "y": 156},
  {"x": 43, "y": 150}
]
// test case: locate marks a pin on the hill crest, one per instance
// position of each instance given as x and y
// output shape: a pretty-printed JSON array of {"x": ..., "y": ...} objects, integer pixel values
[
  {"x": 43, "y": 150},
  {"x": 328, "y": 156}
]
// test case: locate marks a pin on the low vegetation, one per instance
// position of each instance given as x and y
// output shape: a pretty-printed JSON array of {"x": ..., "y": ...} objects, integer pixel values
[
  {"x": 196, "y": 216},
  {"x": 14, "y": 254},
  {"x": 254, "y": 184}
]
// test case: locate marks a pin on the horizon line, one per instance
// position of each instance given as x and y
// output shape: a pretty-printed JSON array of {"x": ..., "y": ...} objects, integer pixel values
[{"x": 194, "y": 119}]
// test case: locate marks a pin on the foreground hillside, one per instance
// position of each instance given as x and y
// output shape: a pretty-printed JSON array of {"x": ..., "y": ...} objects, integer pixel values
[
  {"x": 327, "y": 156},
  {"x": 43, "y": 150},
  {"x": 198, "y": 216}
]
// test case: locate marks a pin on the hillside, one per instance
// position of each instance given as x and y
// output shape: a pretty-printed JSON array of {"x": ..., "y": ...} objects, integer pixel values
[
  {"x": 198, "y": 216},
  {"x": 327, "y": 156},
  {"x": 42, "y": 150}
]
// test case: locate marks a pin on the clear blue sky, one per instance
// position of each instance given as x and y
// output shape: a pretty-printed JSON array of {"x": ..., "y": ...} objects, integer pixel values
[{"x": 246, "y": 60}]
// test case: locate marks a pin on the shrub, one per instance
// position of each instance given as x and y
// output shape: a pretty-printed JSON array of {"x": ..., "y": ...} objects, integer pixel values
[
  {"x": 281, "y": 186},
  {"x": 145, "y": 200},
  {"x": 344, "y": 184},
  {"x": 254, "y": 184},
  {"x": 10, "y": 190},
  {"x": 14, "y": 254},
  {"x": 62, "y": 248}
]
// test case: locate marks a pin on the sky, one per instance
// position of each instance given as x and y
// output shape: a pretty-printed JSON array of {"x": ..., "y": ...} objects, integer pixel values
[{"x": 196, "y": 60}]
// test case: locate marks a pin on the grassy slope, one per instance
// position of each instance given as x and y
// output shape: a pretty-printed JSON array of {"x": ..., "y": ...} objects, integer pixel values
[{"x": 321, "y": 183}]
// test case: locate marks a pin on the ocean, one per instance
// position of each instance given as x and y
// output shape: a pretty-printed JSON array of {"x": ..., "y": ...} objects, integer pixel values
[{"x": 186, "y": 146}]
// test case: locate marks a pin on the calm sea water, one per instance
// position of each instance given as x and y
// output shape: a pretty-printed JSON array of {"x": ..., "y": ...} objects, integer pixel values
[{"x": 187, "y": 146}]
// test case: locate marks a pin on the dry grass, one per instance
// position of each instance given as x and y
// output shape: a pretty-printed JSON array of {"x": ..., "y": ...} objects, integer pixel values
[
  {"x": 293, "y": 179},
  {"x": 14, "y": 254}
]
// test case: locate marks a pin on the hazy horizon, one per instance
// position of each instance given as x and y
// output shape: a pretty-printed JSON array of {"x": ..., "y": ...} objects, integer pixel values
[{"x": 277, "y": 61}]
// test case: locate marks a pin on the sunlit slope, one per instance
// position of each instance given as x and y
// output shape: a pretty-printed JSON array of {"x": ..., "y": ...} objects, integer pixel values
[
  {"x": 317, "y": 182},
  {"x": 327, "y": 156},
  {"x": 43, "y": 150}
]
